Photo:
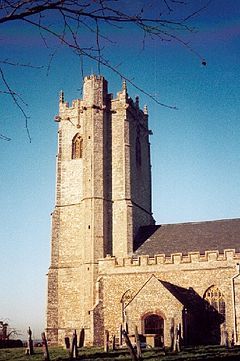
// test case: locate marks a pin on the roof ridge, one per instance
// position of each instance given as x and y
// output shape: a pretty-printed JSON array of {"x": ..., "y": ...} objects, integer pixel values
[{"x": 199, "y": 222}]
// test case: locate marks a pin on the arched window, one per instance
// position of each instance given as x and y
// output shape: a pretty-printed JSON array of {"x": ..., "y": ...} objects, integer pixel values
[
  {"x": 77, "y": 147},
  {"x": 138, "y": 152},
  {"x": 216, "y": 299}
]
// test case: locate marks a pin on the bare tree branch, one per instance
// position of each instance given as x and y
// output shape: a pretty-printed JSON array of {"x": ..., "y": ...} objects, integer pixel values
[
  {"x": 75, "y": 17},
  {"x": 28, "y": 65},
  {"x": 197, "y": 11},
  {"x": 82, "y": 51},
  {"x": 3, "y": 137},
  {"x": 15, "y": 97}
]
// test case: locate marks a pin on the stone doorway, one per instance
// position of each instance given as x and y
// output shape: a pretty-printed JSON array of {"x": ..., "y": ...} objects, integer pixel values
[{"x": 153, "y": 329}]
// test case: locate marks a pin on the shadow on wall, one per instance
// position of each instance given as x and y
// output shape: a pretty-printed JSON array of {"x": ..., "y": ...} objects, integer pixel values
[
  {"x": 201, "y": 321},
  {"x": 143, "y": 234}
]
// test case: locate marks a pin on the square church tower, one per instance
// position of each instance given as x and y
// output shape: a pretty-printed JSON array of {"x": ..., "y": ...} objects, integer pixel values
[{"x": 103, "y": 197}]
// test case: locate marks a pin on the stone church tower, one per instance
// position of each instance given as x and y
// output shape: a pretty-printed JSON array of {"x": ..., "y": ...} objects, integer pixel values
[{"x": 103, "y": 197}]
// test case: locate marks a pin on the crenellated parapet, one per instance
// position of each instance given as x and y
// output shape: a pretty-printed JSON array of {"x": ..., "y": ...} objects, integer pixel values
[
  {"x": 192, "y": 259},
  {"x": 96, "y": 96}
]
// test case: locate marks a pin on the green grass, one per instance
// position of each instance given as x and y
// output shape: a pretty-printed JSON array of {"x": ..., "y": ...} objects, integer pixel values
[{"x": 210, "y": 353}]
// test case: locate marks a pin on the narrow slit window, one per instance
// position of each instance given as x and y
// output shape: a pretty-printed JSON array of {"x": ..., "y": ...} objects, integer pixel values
[{"x": 138, "y": 152}]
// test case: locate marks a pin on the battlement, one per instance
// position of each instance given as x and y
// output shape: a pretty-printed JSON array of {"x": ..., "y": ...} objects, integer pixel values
[
  {"x": 96, "y": 96},
  {"x": 103, "y": 204},
  {"x": 174, "y": 259},
  {"x": 97, "y": 85}
]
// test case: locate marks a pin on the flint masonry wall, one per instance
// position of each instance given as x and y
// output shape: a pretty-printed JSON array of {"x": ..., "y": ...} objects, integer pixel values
[
  {"x": 139, "y": 277},
  {"x": 131, "y": 172},
  {"x": 102, "y": 198},
  {"x": 80, "y": 227}
]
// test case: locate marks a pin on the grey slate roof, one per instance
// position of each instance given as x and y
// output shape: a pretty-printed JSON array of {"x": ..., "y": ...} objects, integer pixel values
[{"x": 188, "y": 237}]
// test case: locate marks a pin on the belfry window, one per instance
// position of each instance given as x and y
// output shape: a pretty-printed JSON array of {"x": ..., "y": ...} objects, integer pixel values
[
  {"x": 216, "y": 299},
  {"x": 138, "y": 152},
  {"x": 77, "y": 147}
]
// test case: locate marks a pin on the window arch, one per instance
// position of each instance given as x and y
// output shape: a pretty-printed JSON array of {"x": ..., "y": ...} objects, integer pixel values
[
  {"x": 216, "y": 299},
  {"x": 77, "y": 147}
]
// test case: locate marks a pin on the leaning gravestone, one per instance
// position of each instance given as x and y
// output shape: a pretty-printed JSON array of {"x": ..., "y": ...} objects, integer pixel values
[
  {"x": 74, "y": 350},
  {"x": 45, "y": 347},
  {"x": 29, "y": 350},
  {"x": 81, "y": 337}
]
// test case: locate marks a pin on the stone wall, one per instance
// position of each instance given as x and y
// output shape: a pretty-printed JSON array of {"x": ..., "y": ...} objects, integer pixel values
[
  {"x": 102, "y": 198},
  {"x": 131, "y": 173},
  {"x": 80, "y": 226},
  {"x": 142, "y": 278}
]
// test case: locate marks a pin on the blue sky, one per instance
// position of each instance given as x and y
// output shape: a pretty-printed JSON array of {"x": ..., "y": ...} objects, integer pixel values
[{"x": 195, "y": 149}]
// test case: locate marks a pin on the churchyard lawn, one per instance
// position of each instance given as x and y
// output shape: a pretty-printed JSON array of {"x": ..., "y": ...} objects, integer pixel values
[{"x": 211, "y": 353}]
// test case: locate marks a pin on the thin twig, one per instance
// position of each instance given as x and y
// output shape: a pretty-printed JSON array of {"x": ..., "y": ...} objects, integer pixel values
[
  {"x": 98, "y": 47},
  {"x": 28, "y": 65},
  {"x": 81, "y": 51},
  {"x": 15, "y": 100},
  {"x": 3, "y": 137}
]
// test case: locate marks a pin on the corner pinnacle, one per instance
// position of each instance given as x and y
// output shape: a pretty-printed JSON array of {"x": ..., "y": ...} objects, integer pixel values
[{"x": 61, "y": 97}]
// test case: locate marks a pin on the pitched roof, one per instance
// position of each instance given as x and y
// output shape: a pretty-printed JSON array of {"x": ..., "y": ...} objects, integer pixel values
[{"x": 188, "y": 237}]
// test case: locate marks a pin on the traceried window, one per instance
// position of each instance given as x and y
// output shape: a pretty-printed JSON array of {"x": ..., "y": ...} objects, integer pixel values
[
  {"x": 77, "y": 147},
  {"x": 216, "y": 299}
]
